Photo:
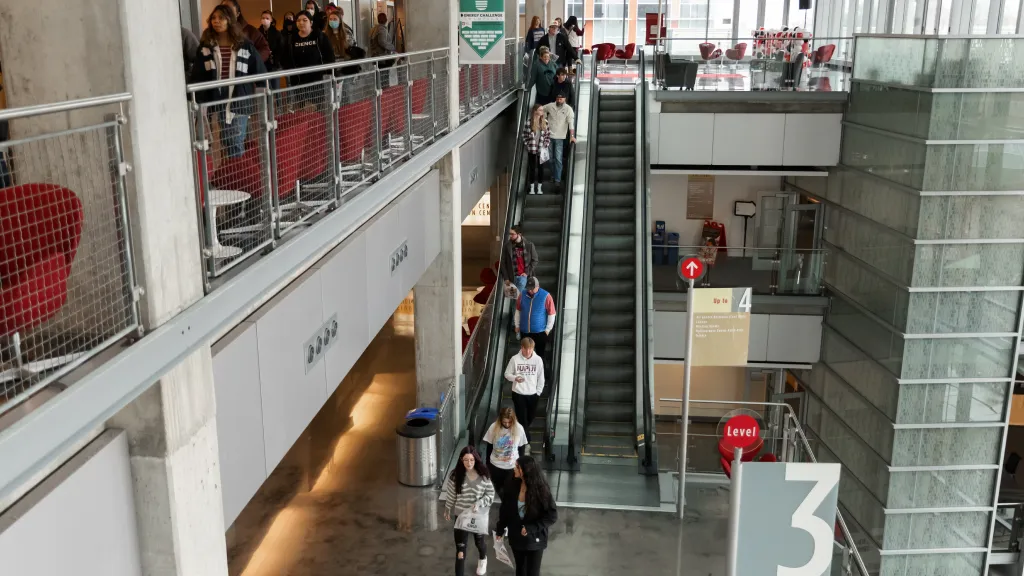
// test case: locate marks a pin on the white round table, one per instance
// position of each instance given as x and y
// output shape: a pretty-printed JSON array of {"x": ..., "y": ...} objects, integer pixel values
[{"x": 220, "y": 198}]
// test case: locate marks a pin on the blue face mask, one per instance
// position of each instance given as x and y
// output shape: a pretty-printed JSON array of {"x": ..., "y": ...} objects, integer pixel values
[{"x": 335, "y": 24}]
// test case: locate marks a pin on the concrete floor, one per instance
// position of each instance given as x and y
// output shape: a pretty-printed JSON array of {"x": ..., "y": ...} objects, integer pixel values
[{"x": 333, "y": 506}]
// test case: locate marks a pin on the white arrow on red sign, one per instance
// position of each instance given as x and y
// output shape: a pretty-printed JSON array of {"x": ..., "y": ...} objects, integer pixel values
[{"x": 691, "y": 268}]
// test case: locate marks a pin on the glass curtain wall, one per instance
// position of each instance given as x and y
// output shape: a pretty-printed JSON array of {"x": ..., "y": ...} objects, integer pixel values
[{"x": 932, "y": 17}]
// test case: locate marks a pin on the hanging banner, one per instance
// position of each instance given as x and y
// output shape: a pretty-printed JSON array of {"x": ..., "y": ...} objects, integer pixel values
[{"x": 481, "y": 31}]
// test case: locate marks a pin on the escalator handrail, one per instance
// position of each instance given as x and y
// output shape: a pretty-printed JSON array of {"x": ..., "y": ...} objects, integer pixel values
[
  {"x": 577, "y": 417},
  {"x": 481, "y": 404},
  {"x": 644, "y": 328},
  {"x": 556, "y": 349}
]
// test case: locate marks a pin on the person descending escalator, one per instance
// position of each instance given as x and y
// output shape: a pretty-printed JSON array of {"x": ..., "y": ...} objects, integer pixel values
[
  {"x": 468, "y": 491},
  {"x": 535, "y": 316},
  {"x": 526, "y": 515},
  {"x": 537, "y": 139},
  {"x": 520, "y": 259},
  {"x": 507, "y": 438},
  {"x": 525, "y": 371}
]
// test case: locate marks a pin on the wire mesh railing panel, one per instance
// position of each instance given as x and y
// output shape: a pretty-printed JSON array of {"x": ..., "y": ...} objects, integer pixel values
[
  {"x": 394, "y": 115},
  {"x": 304, "y": 142},
  {"x": 440, "y": 96},
  {"x": 421, "y": 103},
  {"x": 475, "y": 88},
  {"x": 358, "y": 132},
  {"x": 447, "y": 432},
  {"x": 508, "y": 71},
  {"x": 235, "y": 189},
  {"x": 464, "y": 107},
  {"x": 67, "y": 285}
]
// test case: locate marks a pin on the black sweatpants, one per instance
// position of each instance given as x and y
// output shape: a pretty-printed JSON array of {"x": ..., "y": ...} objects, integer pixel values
[
  {"x": 461, "y": 541},
  {"x": 533, "y": 174},
  {"x": 526, "y": 410},
  {"x": 528, "y": 562},
  {"x": 498, "y": 475}
]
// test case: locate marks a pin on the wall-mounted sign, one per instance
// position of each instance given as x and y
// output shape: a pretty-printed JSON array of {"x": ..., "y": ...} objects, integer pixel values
[
  {"x": 700, "y": 197},
  {"x": 721, "y": 326},
  {"x": 481, "y": 213},
  {"x": 481, "y": 31}
]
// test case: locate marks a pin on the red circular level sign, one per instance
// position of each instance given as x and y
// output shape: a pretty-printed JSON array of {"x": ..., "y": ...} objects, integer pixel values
[
  {"x": 691, "y": 268},
  {"x": 741, "y": 431}
]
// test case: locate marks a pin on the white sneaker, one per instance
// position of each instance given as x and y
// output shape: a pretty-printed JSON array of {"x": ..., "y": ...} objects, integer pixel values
[{"x": 481, "y": 566}]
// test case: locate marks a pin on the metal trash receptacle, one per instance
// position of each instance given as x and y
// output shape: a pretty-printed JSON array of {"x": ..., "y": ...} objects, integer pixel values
[{"x": 417, "y": 452}]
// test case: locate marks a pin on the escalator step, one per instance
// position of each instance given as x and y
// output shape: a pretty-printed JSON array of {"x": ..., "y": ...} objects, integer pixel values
[
  {"x": 620, "y": 228},
  {"x": 546, "y": 199},
  {"x": 616, "y": 105},
  {"x": 605, "y": 392},
  {"x": 610, "y": 288},
  {"x": 548, "y": 253},
  {"x": 599, "y": 356},
  {"x": 617, "y": 128},
  {"x": 543, "y": 226},
  {"x": 614, "y": 139},
  {"x": 616, "y": 175},
  {"x": 602, "y": 243},
  {"x": 542, "y": 212},
  {"x": 620, "y": 150},
  {"x": 615, "y": 338},
  {"x": 614, "y": 304},
  {"x": 545, "y": 239},
  {"x": 610, "y": 411},
  {"x": 615, "y": 257},
  {"x": 610, "y": 429},
  {"x": 620, "y": 441},
  {"x": 616, "y": 162},
  {"x": 602, "y": 272},
  {"x": 615, "y": 116},
  {"x": 612, "y": 375},
  {"x": 608, "y": 321},
  {"x": 615, "y": 214},
  {"x": 616, "y": 189}
]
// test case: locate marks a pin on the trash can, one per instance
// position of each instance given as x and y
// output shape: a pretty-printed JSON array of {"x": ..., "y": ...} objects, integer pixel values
[
  {"x": 417, "y": 452},
  {"x": 658, "y": 249},
  {"x": 673, "y": 248}
]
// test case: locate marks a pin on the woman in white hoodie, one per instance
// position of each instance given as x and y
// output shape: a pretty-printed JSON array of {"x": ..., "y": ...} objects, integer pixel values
[{"x": 525, "y": 371}]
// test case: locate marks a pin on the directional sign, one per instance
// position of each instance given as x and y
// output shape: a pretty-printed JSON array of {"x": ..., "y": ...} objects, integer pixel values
[
  {"x": 721, "y": 326},
  {"x": 786, "y": 518},
  {"x": 691, "y": 268}
]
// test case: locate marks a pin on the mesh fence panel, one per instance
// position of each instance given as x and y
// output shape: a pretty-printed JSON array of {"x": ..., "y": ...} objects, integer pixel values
[
  {"x": 235, "y": 190},
  {"x": 303, "y": 147},
  {"x": 358, "y": 132},
  {"x": 440, "y": 91},
  {"x": 464, "y": 93},
  {"x": 422, "y": 106},
  {"x": 394, "y": 124},
  {"x": 66, "y": 280}
]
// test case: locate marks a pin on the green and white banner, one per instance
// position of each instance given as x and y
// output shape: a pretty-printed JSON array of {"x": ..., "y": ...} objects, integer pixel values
[{"x": 481, "y": 31}]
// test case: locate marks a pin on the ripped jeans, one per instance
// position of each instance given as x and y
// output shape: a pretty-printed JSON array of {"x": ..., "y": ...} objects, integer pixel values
[{"x": 461, "y": 541}]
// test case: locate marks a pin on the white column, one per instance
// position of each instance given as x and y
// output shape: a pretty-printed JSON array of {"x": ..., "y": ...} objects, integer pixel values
[
  {"x": 438, "y": 297},
  {"x": 536, "y": 8}
]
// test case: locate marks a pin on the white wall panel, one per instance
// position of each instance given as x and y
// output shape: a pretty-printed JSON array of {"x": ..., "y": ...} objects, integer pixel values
[
  {"x": 236, "y": 379},
  {"x": 382, "y": 238},
  {"x": 432, "y": 217},
  {"x": 812, "y": 139},
  {"x": 758, "y": 350},
  {"x": 654, "y": 133},
  {"x": 80, "y": 520},
  {"x": 747, "y": 139},
  {"x": 290, "y": 396},
  {"x": 686, "y": 138},
  {"x": 413, "y": 224},
  {"x": 794, "y": 338},
  {"x": 344, "y": 295}
]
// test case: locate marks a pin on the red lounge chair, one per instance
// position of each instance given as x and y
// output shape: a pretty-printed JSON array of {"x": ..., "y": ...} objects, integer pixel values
[
  {"x": 355, "y": 122},
  {"x": 488, "y": 277},
  {"x": 420, "y": 96},
  {"x": 314, "y": 151},
  {"x": 737, "y": 52},
  {"x": 40, "y": 228},
  {"x": 823, "y": 55},
  {"x": 627, "y": 53}
]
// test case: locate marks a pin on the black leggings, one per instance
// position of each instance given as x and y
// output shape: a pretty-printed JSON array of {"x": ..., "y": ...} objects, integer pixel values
[
  {"x": 528, "y": 562},
  {"x": 534, "y": 175},
  {"x": 461, "y": 540},
  {"x": 498, "y": 476}
]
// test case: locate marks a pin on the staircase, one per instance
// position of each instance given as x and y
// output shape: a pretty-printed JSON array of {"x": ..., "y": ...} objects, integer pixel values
[
  {"x": 542, "y": 225},
  {"x": 611, "y": 339}
]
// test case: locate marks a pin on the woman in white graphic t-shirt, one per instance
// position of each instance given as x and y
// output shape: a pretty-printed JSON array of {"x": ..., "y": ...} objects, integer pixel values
[{"x": 506, "y": 437}]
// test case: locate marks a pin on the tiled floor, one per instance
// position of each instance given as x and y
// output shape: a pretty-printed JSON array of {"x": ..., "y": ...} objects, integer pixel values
[{"x": 334, "y": 507}]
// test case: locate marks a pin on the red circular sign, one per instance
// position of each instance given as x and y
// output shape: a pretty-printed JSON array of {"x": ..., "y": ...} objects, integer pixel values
[
  {"x": 691, "y": 268},
  {"x": 741, "y": 431}
]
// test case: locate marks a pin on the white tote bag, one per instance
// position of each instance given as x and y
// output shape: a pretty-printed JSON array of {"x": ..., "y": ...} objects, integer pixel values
[
  {"x": 545, "y": 154},
  {"x": 475, "y": 522}
]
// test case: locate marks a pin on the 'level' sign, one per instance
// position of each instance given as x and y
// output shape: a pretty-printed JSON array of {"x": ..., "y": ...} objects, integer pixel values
[{"x": 721, "y": 326}]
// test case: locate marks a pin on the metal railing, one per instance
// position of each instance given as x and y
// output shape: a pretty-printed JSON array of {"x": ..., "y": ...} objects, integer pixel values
[
  {"x": 793, "y": 271},
  {"x": 447, "y": 431},
  {"x": 277, "y": 160},
  {"x": 67, "y": 280},
  {"x": 784, "y": 437},
  {"x": 644, "y": 392}
]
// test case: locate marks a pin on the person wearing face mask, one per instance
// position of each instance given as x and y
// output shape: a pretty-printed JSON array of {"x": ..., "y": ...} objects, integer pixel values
[
  {"x": 507, "y": 438},
  {"x": 336, "y": 35},
  {"x": 307, "y": 47},
  {"x": 251, "y": 32},
  {"x": 288, "y": 27},
  {"x": 268, "y": 26},
  {"x": 561, "y": 120},
  {"x": 316, "y": 16}
]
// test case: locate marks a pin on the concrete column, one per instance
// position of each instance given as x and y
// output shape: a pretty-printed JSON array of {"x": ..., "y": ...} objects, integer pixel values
[
  {"x": 438, "y": 297},
  {"x": 171, "y": 427},
  {"x": 537, "y": 8}
]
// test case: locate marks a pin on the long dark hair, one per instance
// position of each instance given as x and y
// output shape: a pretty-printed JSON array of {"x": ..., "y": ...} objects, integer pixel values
[
  {"x": 571, "y": 23},
  {"x": 459, "y": 474},
  {"x": 209, "y": 37},
  {"x": 538, "y": 493}
]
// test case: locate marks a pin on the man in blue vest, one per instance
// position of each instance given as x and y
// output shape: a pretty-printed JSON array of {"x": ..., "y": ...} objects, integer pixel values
[{"x": 535, "y": 316}]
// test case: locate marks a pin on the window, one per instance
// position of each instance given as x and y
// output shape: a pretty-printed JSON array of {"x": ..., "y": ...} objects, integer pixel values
[
  {"x": 642, "y": 10},
  {"x": 1011, "y": 10},
  {"x": 773, "y": 14},
  {"x": 979, "y": 23}
]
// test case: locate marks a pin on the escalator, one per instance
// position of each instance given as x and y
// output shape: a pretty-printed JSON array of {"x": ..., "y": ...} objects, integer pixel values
[
  {"x": 542, "y": 219},
  {"x": 612, "y": 421},
  {"x": 611, "y": 328}
]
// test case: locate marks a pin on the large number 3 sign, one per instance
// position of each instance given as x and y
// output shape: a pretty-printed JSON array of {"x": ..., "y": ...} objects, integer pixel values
[{"x": 825, "y": 479}]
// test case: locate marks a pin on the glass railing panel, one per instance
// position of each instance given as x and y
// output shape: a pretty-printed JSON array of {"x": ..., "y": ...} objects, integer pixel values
[{"x": 790, "y": 271}]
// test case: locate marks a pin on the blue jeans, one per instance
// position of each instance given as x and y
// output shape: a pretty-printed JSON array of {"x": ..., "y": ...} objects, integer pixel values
[
  {"x": 232, "y": 136},
  {"x": 520, "y": 282},
  {"x": 557, "y": 146}
]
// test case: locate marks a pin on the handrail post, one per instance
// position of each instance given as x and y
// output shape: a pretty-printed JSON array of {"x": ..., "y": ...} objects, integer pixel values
[
  {"x": 732, "y": 543},
  {"x": 269, "y": 157},
  {"x": 432, "y": 77},
  {"x": 377, "y": 110},
  {"x": 120, "y": 169},
  {"x": 334, "y": 90},
  {"x": 202, "y": 145},
  {"x": 408, "y": 108}
]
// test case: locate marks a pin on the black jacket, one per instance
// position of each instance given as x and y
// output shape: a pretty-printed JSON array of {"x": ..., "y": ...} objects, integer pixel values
[
  {"x": 565, "y": 52},
  {"x": 536, "y": 522},
  {"x": 313, "y": 50},
  {"x": 247, "y": 63},
  {"x": 276, "y": 41},
  {"x": 565, "y": 88},
  {"x": 508, "y": 265}
]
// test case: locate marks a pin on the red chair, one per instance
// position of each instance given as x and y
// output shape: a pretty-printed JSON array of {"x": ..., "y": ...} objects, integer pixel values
[
  {"x": 604, "y": 52},
  {"x": 488, "y": 277},
  {"x": 288, "y": 145},
  {"x": 392, "y": 103},
  {"x": 314, "y": 152},
  {"x": 823, "y": 55},
  {"x": 737, "y": 52},
  {"x": 420, "y": 96},
  {"x": 40, "y": 228},
  {"x": 473, "y": 321},
  {"x": 708, "y": 52},
  {"x": 627, "y": 53},
  {"x": 483, "y": 295},
  {"x": 355, "y": 123}
]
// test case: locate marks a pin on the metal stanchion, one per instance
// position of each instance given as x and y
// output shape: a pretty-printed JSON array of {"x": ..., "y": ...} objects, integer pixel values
[
  {"x": 684, "y": 427},
  {"x": 732, "y": 554}
]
